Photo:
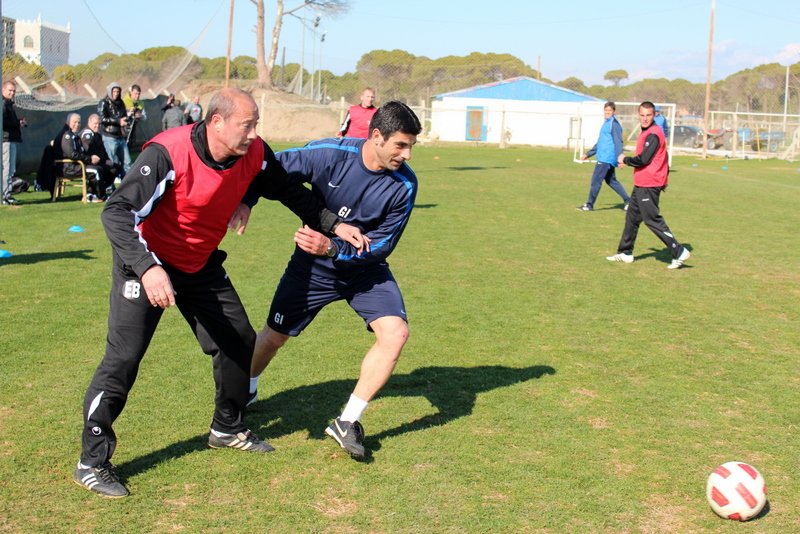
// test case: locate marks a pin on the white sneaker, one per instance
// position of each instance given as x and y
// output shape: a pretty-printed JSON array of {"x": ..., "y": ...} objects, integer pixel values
[
  {"x": 677, "y": 263},
  {"x": 621, "y": 256}
]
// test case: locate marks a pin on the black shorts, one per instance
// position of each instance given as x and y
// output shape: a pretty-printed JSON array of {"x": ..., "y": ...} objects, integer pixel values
[{"x": 300, "y": 296}]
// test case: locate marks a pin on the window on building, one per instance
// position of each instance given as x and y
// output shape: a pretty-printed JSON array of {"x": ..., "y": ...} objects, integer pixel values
[{"x": 27, "y": 42}]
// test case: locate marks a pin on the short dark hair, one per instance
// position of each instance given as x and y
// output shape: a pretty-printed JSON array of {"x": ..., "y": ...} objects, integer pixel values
[
  {"x": 647, "y": 105},
  {"x": 611, "y": 105},
  {"x": 136, "y": 87},
  {"x": 395, "y": 117}
]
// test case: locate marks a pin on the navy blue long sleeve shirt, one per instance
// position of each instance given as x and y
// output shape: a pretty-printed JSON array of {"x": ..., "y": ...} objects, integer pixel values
[{"x": 378, "y": 202}]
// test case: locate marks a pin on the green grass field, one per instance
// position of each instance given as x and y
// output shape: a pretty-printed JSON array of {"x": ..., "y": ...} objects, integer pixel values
[{"x": 543, "y": 389}]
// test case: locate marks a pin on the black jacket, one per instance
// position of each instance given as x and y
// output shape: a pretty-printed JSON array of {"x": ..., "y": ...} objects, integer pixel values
[
  {"x": 72, "y": 148},
  {"x": 12, "y": 132},
  {"x": 111, "y": 111}
]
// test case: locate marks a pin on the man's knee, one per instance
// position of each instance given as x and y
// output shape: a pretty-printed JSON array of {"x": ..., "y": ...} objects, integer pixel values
[
  {"x": 271, "y": 340},
  {"x": 391, "y": 331}
]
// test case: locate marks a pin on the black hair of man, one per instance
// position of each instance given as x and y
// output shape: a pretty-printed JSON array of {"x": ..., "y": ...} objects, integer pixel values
[
  {"x": 395, "y": 117},
  {"x": 611, "y": 105},
  {"x": 647, "y": 105}
]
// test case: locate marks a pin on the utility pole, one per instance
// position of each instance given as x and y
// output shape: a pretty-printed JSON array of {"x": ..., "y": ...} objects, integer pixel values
[
  {"x": 708, "y": 80},
  {"x": 230, "y": 37}
]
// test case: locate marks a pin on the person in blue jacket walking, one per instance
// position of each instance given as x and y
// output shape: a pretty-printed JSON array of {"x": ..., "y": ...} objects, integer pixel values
[{"x": 607, "y": 150}]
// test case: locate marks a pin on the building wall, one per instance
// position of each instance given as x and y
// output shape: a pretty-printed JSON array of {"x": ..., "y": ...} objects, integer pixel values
[
  {"x": 525, "y": 122},
  {"x": 42, "y": 43},
  {"x": 8, "y": 36}
]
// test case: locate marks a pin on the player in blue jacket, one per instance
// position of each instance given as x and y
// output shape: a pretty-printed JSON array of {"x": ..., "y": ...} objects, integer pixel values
[
  {"x": 607, "y": 149},
  {"x": 369, "y": 185}
]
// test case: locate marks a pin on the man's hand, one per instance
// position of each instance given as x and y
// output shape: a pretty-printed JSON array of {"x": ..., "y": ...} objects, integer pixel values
[
  {"x": 316, "y": 243},
  {"x": 158, "y": 287},
  {"x": 239, "y": 219},
  {"x": 621, "y": 160},
  {"x": 95, "y": 159},
  {"x": 311, "y": 241},
  {"x": 352, "y": 234}
]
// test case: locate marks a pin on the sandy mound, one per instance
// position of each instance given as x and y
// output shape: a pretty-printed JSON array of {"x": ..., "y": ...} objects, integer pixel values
[{"x": 284, "y": 116}]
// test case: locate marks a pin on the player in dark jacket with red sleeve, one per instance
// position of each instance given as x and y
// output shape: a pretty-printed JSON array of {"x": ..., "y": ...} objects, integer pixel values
[{"x": 164, "y": 224}]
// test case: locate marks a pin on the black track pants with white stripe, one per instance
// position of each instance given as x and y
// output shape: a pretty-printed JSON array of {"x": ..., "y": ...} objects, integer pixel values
[
  {"x": 643, "y": 208},
  {"x": 211, "y": 306}
]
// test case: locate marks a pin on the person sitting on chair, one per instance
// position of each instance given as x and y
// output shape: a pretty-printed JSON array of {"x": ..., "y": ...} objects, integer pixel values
[
  {"x": 92, "y": 142},
  {"x": 71, "y": 148}
]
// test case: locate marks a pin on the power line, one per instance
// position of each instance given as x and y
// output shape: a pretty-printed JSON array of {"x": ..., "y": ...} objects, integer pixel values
[{"x": 100, "y": 25}]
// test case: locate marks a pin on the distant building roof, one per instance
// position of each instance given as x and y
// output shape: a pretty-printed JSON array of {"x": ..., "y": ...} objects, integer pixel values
[{"x": 519, "y": 88}]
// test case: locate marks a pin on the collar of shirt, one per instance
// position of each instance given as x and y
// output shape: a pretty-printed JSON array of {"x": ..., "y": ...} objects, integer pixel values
[{"x": 200, "y": 144}]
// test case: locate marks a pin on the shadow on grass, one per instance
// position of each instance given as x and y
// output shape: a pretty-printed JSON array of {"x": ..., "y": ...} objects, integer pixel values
[
  {"x": 37, "y": 257},
  {"x": 451, "y": 390},
  {"x": 475, "y": 168},
  {"x": 663, "y": 255}
]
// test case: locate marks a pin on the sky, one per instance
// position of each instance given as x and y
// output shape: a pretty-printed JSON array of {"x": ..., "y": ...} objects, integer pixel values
[{"x": 584, "y": 39}]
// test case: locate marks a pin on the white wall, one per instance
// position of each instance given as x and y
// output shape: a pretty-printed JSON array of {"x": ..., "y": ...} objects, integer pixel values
[
  {"x": 528, "y": 122},
  {"x": 50, "y": 43}
]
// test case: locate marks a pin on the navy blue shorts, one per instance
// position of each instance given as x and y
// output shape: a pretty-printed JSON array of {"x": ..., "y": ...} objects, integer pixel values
[{"x": 300, "y": 296}]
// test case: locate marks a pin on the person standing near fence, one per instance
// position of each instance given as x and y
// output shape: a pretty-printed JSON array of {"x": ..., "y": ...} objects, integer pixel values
[
  {"x": 608, "y": 148},
  {"x": 661, "y": 122},
  {"x": 165, "y": 223},
  {"x": 12, "y": 135},
  {"x": 114, "y": 120},
  {"x": 650, "y": 174},
  {"x": 356, "y": 123}
]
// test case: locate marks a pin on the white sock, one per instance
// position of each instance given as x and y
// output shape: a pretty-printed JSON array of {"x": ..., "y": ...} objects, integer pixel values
[
  {"x": 220, "y": 434},
  {"x": 254, "y": 384},
  {"x": 354, "y": 409}
]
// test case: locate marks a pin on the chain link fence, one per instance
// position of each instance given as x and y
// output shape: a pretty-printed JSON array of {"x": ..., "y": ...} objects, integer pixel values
[{"x": 755, "y": 113}]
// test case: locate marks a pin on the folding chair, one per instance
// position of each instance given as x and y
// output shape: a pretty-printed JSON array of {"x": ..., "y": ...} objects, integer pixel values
[{"x": 61, "y": 181}]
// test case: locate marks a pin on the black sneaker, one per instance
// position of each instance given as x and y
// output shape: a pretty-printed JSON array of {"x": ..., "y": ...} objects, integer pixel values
[
  {"x": 252, "y": 398},
  {"x": 101, "y": 480},
  {"x": 244, "y": 441},
  {"x": 349, "y": 435},
  {"x": 10, "y": 201}
]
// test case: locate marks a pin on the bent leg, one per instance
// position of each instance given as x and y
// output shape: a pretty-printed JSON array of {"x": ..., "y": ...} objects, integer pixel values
[
  {"x": 391, "y": 334},
  {"x": 211, "y": 306},
  {"x": 652, "y": 218},
  {"x": 268, "y": 342}
]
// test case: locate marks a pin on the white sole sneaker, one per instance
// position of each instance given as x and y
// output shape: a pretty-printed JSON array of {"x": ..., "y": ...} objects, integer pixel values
[
  {"x": 621, "y": 257},
  {"x": 678, "y": 263}
]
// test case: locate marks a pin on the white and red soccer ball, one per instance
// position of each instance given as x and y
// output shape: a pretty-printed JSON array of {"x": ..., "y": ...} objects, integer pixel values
[{"x": 736, "y": 490}]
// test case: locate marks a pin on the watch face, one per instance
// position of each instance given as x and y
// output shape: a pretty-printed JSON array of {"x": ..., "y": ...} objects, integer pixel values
[{"x": 331, "y": 252}]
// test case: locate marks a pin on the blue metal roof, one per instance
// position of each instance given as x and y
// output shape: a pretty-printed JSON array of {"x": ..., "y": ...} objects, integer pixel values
[{"x": 520, "y": 88}]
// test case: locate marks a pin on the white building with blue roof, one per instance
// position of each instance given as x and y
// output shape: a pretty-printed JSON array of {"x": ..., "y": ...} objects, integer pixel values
[{"x": 517, "y": 111}]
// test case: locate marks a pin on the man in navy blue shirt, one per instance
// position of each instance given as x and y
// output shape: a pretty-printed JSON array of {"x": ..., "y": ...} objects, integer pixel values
[{"x": 369, "y": 185}]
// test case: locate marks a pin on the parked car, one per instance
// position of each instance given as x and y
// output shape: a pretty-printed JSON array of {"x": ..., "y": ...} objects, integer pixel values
[
  {"x": 767, "y": 141},
  {"x": 761, "y": 140},
  {"x": 688, "y": 136}
]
